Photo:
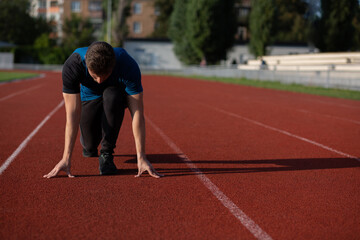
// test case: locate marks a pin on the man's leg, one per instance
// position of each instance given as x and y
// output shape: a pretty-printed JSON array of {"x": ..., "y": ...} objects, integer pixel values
[
  {"x": 114, "y": 108},
  {"x": 90, "y": 126},
  {"x": 113, "y": 104}
]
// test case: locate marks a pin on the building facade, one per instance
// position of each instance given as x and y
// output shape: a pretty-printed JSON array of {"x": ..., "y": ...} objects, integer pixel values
[
  {"x": 142, "y": 21},
  {"x": 52, "y": 11},
  {"x": 56, "y": 11}
]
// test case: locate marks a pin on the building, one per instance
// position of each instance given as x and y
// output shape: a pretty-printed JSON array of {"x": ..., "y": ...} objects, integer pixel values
[
  {"x": 142, "y": 21},
  {"x": 57, "y": 11},
  {"x": 50, "y": 10},
  {"x": 91, "y": 9},
  {"x": 243, "y": 14}
]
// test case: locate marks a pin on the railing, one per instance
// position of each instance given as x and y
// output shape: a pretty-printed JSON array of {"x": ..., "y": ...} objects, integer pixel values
[{"x": 328, "y": 77}]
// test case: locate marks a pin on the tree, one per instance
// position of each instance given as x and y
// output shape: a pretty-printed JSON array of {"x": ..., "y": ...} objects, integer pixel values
[
  {"x": 211, "y": 28},
  {"x": 120, "y": 28},
  {"x": 203, "y": 29},
  {"x": 165, "y": 9},
  {"x": 335, "y": 29},
  {"x": 78, "y": 32},
  {"x": 17, "y": 26},
  {"x": 178, "y": 34},
  {"x": 262, "y": 22},
  {"x": 291, "y": 25}
]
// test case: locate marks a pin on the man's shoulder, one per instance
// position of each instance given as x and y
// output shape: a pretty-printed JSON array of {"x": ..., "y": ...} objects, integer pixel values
[
  {"x": 75, "y": 59},
  {"x": 120, "y": 52},
  {"x": 80, "y": 52}
]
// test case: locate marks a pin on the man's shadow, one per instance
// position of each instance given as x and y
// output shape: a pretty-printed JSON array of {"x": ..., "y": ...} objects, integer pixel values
[{"x": 238, "y": 166}]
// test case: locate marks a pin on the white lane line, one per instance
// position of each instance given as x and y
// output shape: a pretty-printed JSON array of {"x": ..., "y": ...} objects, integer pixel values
[
  {"x": 284, "y": 132},
  {"x": 230, "y": 205},
  {"x": 27, "y": 140},
  {"x": 19, "y": 92}
]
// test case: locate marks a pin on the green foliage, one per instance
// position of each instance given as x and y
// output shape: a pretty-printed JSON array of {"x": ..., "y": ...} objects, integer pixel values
[
  {"x": 178, "y": 34},
  {"x": 336, "y": 29},
  {"x": 291, "y": 26},
  {"x": 211, "y": 28},
  {"x": 262, "y": 23},
  {"x": 78, "y": 32},
  {"x": 165, "y": 8},
  {"x": 48, "y": 52},
  {"x": 17, "y": 26},
  {"x": 9, "y": 76},
  {"x": 202, "y": 29},
  {"x": 121, "y": 10}
]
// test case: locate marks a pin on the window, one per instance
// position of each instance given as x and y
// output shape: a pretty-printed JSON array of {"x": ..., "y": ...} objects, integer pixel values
[
  {"x": 137, "y": 8},
  {"x": 137, "y": 27},
  {"x": 53, "y": 4},
  {"x": 75, "y": 6},
  {"x": 42, "y": 3},
  {"x": 42, "y": 15},
  {"x": 95, "y": 6},
  {"x": 243, "y": 12},
  {"x": 157, "y": 11}
]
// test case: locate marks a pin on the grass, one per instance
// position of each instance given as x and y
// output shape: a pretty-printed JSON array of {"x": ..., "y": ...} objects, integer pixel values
[
  {"x": 8, "y": 76},
  {"x": 330, "y": 92}
]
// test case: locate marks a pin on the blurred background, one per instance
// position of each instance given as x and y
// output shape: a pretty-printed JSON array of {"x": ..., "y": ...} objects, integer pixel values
[{"x": 171, "y": 34}]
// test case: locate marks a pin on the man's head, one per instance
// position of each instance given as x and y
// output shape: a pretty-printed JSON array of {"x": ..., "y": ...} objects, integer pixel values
[{"x": 100, "y": 60}]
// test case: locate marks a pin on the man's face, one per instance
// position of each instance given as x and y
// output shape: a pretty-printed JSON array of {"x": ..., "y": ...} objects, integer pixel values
[{"x": 97, "y": 78}]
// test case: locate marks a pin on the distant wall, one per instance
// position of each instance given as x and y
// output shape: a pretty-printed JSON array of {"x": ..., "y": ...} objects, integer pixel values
[
  {"x": 6, "y": 60},
  {"x": 159, "y": 54},
  {"x": 154, "y": 55},
  {"x": 328, "y": 79}
]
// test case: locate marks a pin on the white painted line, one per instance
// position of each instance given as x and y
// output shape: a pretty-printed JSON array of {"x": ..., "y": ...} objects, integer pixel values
[
  {"x": 19, "y": 92},
  {"x": 230, "y": 205},
  {"x": 284, "y": 132},
  {"x": 27, "y": 140}
]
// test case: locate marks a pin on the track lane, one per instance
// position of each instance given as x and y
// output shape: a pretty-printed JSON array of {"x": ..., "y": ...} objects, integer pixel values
[
  {"x": 118, "y": 206},
  {"x": 290, "y": 192},
  {"x": 22, "y": 113},
  {"x": 243, "y": 155},
  {"x": 91, "y": 206}
]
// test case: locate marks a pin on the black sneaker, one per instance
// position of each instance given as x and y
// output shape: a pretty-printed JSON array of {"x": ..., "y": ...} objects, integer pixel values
[
  {"x": 106, "y": 164},
  {"x": 90, "y": 154}
]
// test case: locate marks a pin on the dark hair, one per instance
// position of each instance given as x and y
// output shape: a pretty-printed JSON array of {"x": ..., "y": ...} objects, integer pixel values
[{"x": 100, "y": 58}]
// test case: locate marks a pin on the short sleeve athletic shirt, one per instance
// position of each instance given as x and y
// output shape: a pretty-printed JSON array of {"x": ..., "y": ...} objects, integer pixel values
[{"x": 76, "y": 78}]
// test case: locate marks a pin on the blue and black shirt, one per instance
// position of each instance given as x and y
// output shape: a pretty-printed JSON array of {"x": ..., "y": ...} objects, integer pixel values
[{"x": 76, "y": 78}]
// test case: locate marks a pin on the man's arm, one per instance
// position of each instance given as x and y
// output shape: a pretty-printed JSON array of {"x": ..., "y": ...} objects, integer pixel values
[
  {"x": 136, "y": 107},
  {"x": 73, "y": 113}
]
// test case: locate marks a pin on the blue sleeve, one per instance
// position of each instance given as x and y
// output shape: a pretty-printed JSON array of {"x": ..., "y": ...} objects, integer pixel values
[{"x": 131, "y": 75}]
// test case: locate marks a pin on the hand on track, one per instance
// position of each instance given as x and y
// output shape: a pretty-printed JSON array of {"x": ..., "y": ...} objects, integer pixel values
[
  {"x": 145, "y": 165},
  {"x": 61, "y": 166}
]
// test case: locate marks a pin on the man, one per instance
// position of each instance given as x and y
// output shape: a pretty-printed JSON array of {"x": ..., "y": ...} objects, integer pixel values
[{"x": 99, "y": 82}]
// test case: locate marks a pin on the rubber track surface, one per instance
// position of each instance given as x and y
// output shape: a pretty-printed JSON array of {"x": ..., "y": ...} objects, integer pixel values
[{"x": 290, "y": 188}]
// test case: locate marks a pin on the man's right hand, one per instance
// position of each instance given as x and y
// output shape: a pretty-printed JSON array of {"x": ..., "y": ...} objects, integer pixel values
[{"x": 61, "y": 166}]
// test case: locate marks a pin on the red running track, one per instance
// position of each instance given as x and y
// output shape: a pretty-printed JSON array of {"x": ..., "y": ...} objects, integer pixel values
[{"x": 283, "y": 161}]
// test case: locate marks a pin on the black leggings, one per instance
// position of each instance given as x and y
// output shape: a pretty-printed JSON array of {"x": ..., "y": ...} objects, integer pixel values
[{"x": 101, "y": 120}]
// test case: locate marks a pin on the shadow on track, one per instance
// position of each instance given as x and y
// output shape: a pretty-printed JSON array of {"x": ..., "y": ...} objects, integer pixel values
[
  {"x": 243, "y": 166},
  {"x": 227, "y": 166}
]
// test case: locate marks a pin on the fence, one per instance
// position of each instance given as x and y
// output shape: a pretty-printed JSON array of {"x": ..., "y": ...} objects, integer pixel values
[
  {"x": 326, "y": 78},
  {"x": 330, "y": 78}
]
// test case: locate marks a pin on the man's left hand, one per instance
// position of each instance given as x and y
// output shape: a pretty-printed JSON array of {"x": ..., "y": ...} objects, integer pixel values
[{"x": 145, "y": 165}]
